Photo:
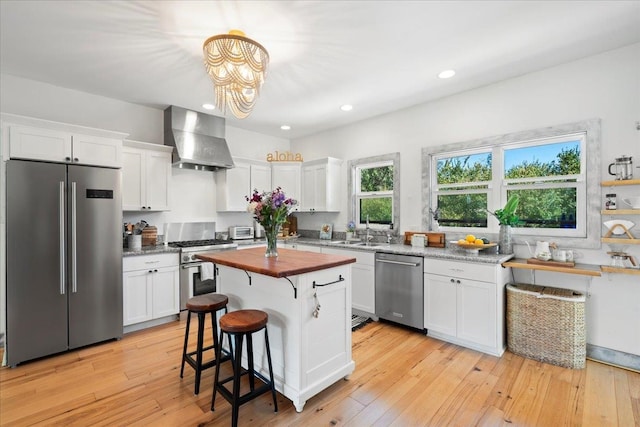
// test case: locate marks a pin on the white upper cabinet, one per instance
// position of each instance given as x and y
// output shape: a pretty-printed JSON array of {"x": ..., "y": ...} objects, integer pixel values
[
  {"x": 146, "y": 175},
  {"x": 35, "y": 139},
  {"x": 287, "y": 176},
  {"x": 39, "y": 144},
  {"x": 96, "y": 150},
  {"x": 261, "y": 177},
  {"x": 232, "y": 185},
  {"x": 321, "y": 185}
]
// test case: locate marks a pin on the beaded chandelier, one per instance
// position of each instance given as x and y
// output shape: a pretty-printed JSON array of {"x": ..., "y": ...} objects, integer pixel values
[{"x": 237, "y": 66}]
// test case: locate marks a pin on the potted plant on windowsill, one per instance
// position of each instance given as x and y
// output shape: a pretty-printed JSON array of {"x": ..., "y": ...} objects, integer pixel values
[
  {"x": 351, "y": 228},
  {"x": 507, "y": 218}
]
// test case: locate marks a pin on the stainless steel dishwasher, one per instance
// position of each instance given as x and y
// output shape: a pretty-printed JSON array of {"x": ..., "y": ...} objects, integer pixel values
[{"x": 400, "y": 289}]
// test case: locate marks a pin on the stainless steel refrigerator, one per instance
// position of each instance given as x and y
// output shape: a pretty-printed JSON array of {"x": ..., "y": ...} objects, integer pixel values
[{"x": 64, "y": 258}]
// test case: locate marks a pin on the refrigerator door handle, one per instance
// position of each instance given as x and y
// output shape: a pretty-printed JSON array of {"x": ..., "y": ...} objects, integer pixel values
[
  {"x": 74, "y": 269},
  {"x": 62, "y": 237}
]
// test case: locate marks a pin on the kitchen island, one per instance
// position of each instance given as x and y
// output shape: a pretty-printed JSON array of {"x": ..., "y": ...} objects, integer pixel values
[{"x": 308, "y": 299}]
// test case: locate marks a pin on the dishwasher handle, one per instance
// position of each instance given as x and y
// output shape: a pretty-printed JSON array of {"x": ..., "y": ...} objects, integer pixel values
[{"x": 388, "y": 261}]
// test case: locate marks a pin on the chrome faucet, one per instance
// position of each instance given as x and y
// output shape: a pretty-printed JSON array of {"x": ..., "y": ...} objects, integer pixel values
[{"x": 368, "y": 237}]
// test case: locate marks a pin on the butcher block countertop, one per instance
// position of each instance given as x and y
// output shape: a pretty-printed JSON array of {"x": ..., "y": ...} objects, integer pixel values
[{"x": 288, "y": 263}]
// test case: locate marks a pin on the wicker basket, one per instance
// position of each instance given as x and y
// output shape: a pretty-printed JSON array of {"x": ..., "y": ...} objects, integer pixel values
[{"x": 546, "y": 324}]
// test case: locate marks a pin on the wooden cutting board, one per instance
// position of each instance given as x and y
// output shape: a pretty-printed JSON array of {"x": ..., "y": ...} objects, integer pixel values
[
  {"x": 537, "y": 261},
  {"x": 433, "y": 240}
]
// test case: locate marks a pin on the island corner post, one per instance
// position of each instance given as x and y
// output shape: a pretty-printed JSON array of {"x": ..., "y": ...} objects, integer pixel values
[{"x": 308, "y": 299}]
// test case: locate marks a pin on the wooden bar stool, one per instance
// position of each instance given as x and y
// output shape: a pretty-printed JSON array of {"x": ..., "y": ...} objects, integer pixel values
[
  {"x": 201, "y": 305},
  {"x": 237, "y": 325}
]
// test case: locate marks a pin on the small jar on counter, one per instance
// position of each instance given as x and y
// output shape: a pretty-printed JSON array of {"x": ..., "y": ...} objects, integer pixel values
[{"x": 610, "y": 202}]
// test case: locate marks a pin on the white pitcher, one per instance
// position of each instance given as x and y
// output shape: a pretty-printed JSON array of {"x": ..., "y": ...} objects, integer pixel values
[{"x": 542, "y": 250}]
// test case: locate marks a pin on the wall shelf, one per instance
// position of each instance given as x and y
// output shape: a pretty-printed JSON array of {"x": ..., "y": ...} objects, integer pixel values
[
  {"x": 620, "y": 212},
  {"x": 622, "y": 182},
  {"x": 580, "y": 269},
  {"x": 608, "y": 269},
  {"x": 620, "y": 241}
]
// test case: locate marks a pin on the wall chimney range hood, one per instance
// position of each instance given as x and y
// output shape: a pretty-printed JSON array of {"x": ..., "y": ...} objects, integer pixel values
[{"x": 197, "y": 138}]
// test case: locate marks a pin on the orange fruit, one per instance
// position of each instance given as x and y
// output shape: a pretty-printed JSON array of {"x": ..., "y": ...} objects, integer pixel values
[
  {"x": 470, "y": 238},
  {"x": 462, "y": 242},
  {"x": 479, "y": 242}
]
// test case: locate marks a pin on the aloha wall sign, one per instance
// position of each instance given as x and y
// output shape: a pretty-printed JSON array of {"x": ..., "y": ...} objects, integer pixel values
[{"x": 284, "y": 156}]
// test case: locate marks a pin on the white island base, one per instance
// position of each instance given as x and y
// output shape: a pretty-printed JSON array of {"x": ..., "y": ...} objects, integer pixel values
[{"x": 308, "y": 353}]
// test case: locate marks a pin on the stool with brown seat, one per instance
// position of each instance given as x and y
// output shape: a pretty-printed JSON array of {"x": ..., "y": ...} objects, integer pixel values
[
  {"x": 201, "y": 305},
  {"x": 237, "y": 325}
]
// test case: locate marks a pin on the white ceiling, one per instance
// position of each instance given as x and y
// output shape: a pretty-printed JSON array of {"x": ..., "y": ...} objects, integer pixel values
[{"x": 380, "y": 56}]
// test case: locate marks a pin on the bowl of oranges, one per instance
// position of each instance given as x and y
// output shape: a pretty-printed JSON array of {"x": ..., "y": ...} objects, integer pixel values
[{"x": 473, "y": 244}]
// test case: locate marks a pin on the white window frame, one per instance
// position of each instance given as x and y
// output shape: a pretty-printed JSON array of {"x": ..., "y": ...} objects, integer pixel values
[
  {"x": 360, "y": 195},
  {"x": 588, "y": 206},
  {"x": 538, "y": 183},
  {"x": 355, "y": 166},
  {"x": 448, "y": 189}
]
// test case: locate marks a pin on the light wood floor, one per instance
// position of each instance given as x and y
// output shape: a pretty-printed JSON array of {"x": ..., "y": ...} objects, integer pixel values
[{"x": 402, "y": 378}]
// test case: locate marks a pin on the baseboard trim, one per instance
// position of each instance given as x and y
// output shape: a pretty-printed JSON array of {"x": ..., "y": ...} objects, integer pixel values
[{"x": 616, "y": 358}]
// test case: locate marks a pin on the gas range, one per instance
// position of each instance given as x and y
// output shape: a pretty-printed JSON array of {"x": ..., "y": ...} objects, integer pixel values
[{"x": 195, "y": 238}]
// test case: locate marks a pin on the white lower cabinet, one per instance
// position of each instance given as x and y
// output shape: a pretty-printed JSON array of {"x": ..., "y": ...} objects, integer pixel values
[
  {"x": 363, "y": 275},
  {"x": 150, "y": 287},
  {"x": 464, "y": 304}
]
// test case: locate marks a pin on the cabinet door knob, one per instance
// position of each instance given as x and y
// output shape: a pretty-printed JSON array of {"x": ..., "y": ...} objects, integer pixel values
[
  {"x": 75, "y": 159},
  {"x": 458, "y": 281},
  {"x": 67, "y": 158},
  {"x": 453, "y": 281},
  {"x": 155, "y": 271},
  {"x": 150, "y": 271}
]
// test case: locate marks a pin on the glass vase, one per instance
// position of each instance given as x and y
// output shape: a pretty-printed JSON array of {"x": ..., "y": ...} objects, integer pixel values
[
  {"x": 271, "y": 233},
  {"x": 505, "y": 240}
]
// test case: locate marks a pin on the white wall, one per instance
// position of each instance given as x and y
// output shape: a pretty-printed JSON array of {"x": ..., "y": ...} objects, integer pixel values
[{"x": 605, "y": 86}]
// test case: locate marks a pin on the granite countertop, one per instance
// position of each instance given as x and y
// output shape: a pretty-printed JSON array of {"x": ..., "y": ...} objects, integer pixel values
[
  {"x": 146, "y": 250},
  {"x": 487, "y": 256},
  {"x": 288, "y": 263}
]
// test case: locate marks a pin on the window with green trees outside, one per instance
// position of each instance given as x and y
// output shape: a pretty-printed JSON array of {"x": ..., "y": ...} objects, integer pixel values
[
  {"x": 374, "y": 193},
  {"x": 548, "y": 175}
]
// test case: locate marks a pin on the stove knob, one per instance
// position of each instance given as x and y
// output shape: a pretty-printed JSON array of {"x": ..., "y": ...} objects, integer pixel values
[
  {"x": 193, "y": 258},
  {"x": 185, "y": 258}
]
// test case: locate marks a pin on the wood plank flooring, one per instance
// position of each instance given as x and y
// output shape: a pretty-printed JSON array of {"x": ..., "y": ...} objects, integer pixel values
[{"x": 402, "y": 378}]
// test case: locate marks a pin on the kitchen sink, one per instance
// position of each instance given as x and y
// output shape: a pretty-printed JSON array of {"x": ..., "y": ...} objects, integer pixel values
[
  {"x": 359, "y": 243},
  {"x": 348, "y": 242}
]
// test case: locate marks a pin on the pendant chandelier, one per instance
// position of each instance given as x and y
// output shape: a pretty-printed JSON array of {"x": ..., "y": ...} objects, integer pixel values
[{"x": 237, "y": 65}]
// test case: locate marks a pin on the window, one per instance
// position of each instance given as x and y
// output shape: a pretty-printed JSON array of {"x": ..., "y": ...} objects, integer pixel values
[
  {"x": 375, "y": 189},
  {"x": 463, "y": 184},
  {"x": 546, "y": 169}
]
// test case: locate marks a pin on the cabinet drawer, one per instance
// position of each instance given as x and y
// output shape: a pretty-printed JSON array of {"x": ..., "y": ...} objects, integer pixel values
[
  {"x": 142, "y": 262},
  {"x": 463, "y": 270}
]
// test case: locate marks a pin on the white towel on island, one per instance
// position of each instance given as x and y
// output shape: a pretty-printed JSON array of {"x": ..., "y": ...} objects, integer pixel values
[{"x": 206, "y": 271}]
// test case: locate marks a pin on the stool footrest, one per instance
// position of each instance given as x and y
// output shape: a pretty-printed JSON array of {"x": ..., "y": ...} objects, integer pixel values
[
  {"x": 257, "y": 391},
  {"x": 205, "y": 365}
]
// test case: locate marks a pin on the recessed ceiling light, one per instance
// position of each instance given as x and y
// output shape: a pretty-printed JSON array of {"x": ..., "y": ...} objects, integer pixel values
[
  {"x": 285, "y": 127},
  {"x": 346, "y": 107},
  {"x": 446, "y": 74},
  {"x": 208, "y": 106}
]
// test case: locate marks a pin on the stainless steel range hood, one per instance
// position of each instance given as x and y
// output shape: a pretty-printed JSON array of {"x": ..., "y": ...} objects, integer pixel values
[{"x": 197, "y": 138}]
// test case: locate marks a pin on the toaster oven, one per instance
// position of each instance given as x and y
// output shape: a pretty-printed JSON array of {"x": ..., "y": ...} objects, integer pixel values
[{"x": 239, "y": 232}]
